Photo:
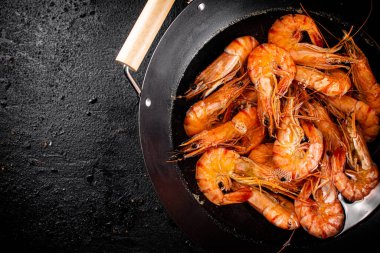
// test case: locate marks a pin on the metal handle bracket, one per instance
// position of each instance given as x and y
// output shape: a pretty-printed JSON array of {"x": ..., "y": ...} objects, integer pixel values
[{"x": 132, "y": 81}]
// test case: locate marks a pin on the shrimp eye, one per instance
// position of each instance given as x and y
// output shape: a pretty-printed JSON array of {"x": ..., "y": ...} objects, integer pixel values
[
  {"x": 194, "y": 145},
  {"x": 305, "y": 139},
  {"x": 221, "y": 187},
  {"x": 220, "y": 116},
  {"x": 193, "y": 86},
  {"x": 329, "y": 153},
  {"x": 240, "y": 84},
  {"x": 283, "y": 179},
  {"x": 266, "y": 121}
]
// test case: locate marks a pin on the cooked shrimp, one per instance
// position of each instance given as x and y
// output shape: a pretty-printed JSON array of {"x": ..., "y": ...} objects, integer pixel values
[
  {"x": 223, "y": 68},
  {"x": 213, "y": 175},
  {"x": 249, "y": 95},
  {"x": 363, "y": 78},
  {"x": 205, "y": 113},
  {"x": 365, "y": 115},
  {"x": 247, "y": 98},
  {"x": 333, "y": 83},
  {"x": 323, "y": 216},
  {"x": 262, "y": 154},
  {"x": 261, "y": 166},
  {"x": 218, "y": 169},
  {"x": 250, "y": 173},
  {"x": 227, "y": 134},
  {"x": 357, "y": 182},
  {"x": 253, "y": 137},
  {"x": 275, "y": 208},
  {"x": 265, "y": 63},
  {"x": 295, "y": 159},
  {"x": 332, "y": 136},
  {"x": 320, "y": 58},
  {"x": 286, "y": 32}
]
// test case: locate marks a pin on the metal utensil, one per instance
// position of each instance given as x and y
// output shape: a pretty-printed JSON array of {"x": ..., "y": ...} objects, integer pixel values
[{"x": 359, "y": 210}]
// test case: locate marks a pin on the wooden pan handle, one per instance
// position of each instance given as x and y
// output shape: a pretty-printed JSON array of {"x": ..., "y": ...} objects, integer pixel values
[{"x": 143, "y": 33}]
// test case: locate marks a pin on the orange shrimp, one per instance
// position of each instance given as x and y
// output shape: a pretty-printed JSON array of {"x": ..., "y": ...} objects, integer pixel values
[
  {"x": 265, "y": 63},
  {"x": 247, "y": 98},
  {"x": 275, "y": 208},
  {"x": 333, "y": 83},
  {"x": 356, "y": 183},
  {"x": 204, "y": 114},
  {"x": 253, "y": 137},
  {"x": 213, "y": 175},
  {"x": 262, "y": 154},
  {"x": 365, "y": 115},
  {"x": 320, "y": 58},
  {"x": 246, "y": 172},
  {"x": 331, "y": 134},
  {"x": 363, "y": 78},
  {"x": 323, "y": 216},
  {"x": 223, "y": 68},
  {"x": 227, "y": 134},
  {"x": 216, "y": 173},
  {"x": 295, "y": 159},
  {"x": 286, "y": 32}
]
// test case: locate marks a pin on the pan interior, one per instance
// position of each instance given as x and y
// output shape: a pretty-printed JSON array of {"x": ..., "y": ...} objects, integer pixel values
[{"x": 241, "y": 219}]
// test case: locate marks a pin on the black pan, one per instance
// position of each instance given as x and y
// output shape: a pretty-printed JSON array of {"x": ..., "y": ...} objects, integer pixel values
[{"x": 196, "y": 37}]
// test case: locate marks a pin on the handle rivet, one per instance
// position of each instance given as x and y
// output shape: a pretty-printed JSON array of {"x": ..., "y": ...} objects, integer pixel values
[
  {"x": 148, "y": 102},
  {"x": 201, "y": 6}
]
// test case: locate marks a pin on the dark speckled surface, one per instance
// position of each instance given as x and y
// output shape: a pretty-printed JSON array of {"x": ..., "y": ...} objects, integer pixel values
[{"x": 72, "y": 177}]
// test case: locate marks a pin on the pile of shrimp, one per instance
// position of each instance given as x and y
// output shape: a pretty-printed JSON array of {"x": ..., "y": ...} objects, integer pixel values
[{"x": 284, "y": 125}]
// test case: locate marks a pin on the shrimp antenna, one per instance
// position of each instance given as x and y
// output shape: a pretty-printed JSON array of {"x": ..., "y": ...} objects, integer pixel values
[
  {"x": 366, "y": 20},
  {"x": 348, "y": 34},
  {"x": 304, "y": 10},
  {"x": 287, "y": 243}
]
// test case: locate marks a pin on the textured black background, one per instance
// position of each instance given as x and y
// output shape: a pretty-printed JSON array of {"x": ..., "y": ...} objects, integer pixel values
[{"x": 72, "y": 177}]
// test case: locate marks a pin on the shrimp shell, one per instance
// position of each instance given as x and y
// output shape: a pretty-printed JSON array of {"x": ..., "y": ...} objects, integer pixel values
[
  {"x": 358, "y": 182},
  {"x": 227, "y": 134},
  {"x": 289, "y": 155},
  {"x": 204, "y": 114},
  {"x": 262, "y": 154},
  {"x": 213, "y": 172},
  {"x": 286, "y": 32},
  {"x": 265, "y": 63},
  {"x": 224, "y": 68},
  {"x": 363, "y": 78},
  {"x": 322, "y": 217},
  {"x": 333, "y": 83},
  {"x": 275, "y": 208},
  {"x": 365, "y": 115},
  {"x": 332, "y": 136}
]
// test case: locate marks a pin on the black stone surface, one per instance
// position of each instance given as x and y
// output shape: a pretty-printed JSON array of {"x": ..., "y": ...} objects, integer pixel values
[{"x": 72, "y": 177}]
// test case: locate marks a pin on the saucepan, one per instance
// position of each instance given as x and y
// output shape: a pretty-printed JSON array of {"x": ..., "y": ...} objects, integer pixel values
[{"x": 195, "y": 38}]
